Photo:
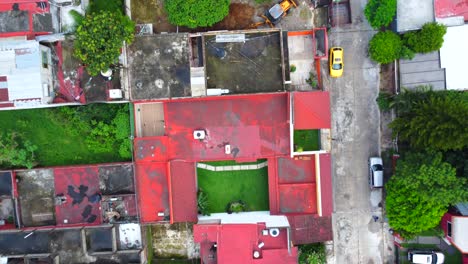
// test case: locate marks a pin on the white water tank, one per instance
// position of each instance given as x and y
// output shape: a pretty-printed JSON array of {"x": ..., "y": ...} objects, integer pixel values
[
  {"x": 274, "y": 232},
  {"x": 199, "y": 134}
]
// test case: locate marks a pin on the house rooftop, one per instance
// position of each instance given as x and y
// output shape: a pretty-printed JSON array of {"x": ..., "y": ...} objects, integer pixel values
[
  {"x": 453, "y": 54},
  {"x": 407, "y": 19},
  {"x": 159, "y": 67},
  {"x": 460, "y": 233},
  {"x": 451, "y": 8},
  {"x": 25, "y": 18}
]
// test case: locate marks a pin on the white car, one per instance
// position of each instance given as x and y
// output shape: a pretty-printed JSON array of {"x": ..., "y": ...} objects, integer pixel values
[
  {"x": 425, "y": 257},
  {"x": 375, "y": 172}
]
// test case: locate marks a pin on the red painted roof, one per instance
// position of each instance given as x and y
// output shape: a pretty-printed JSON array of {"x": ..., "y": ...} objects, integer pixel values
[
  {"x": 326, "y": 184},
  {"x": 152, "y": 190},
  {"x": 450, "y": 8},
  {"x": 311, "y": 110},
  {"x": 308, "y": 229},
  {"x": 25, "y": 5},
  {"x": 4, "y": 95},
  {"x": 183, "y": 192},
  {"x": 237, "y": 242}
]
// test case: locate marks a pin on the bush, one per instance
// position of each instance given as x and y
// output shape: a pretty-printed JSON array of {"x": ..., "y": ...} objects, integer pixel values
[
  {"x": 99, "y": 38},
  {"x": 312, "y": 254},
  {"x": 429, "y": 38},
  {"x": 312, "y": 80},
  {"x": 385, "y": 47},
  {"x": 202, "y": 202},
  {"x": 16, "y": 152},
  {"x": 380, "y": 13},
  {"x": 292, "y": 68},
  {"x": 201, "y": 13},
  {"x": 384, "y": 101},
  {"x": 236, "y": 207}
]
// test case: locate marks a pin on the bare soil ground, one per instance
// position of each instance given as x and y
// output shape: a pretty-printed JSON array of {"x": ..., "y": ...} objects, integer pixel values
[
  {"x": 387, "y": 78},
  {"x": 242, "y": 13}
]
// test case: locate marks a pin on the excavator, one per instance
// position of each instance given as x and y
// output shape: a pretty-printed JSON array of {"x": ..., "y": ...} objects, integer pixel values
[{"x": 273, "y": 15}]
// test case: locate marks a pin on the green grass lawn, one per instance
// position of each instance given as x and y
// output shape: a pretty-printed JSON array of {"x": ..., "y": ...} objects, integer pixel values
[
  {"x": 449, "y": 258},
  {"x": 307, "y": 139},
  {"x": 222, "y": 187},
  {"x": 61, "y": 140}
]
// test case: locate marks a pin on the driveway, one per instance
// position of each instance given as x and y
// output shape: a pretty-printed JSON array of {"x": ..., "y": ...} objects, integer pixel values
[{"x": 358, "y": 237}]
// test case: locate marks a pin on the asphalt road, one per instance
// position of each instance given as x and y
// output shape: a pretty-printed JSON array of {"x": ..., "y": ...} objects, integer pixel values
[{"x": 356, "y": 137}]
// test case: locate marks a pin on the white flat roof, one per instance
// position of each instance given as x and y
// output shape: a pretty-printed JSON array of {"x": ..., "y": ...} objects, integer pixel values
[
  {"x": 248, "y": 218},
  {"x": 20, "y": 62},
  {"x": 453, "y": 57},
  {"x": 460, "y": 232}
]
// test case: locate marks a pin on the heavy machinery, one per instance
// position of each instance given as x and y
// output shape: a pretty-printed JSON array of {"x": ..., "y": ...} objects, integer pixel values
[{"x": 273, "y": 15}]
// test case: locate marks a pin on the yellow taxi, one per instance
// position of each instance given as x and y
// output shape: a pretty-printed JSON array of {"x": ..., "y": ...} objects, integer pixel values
[{"x": 336, "y": 62}]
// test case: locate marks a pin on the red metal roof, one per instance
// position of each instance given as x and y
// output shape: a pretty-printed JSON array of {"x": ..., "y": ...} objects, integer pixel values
[
  {"x": 4, "y": 95},
  {"x": 311, "y": 110},
  {"x": 183, "y": 192},
  {"x": 308, "y": 229},
  {"x": 235, "y": 243},
  {"x": 326, "y": 185},
  {"x": 152, "y": 190},
  {"x": 25, "y": 5},
  {"x": 450, "y": 8}
]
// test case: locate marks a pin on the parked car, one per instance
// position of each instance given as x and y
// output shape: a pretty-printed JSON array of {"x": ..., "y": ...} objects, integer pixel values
[
  {"x": 375, "y": 172},
  {"x": 336, "y": 62},
  {"x": 425, "y": 257}
]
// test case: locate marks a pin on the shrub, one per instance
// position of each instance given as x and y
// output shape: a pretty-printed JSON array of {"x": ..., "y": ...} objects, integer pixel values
[
  {"x": 384, "y": 101},
  {"x": 16, "y": 151},
  {"x": 406, "y": 53},
  {"x": 385, "y": 47},
  {"x": 429, "y": 38},
  {"x": 380, "y": 13},
  {"x": 202, "y": 202},
  {"x": 312, "y": 80},
  {"x": 292, "y": 68},
  {"x": 99, "y": 38},
  {"x": 236, "y": 207},
  {"x": 201, "y": 13},
  {"x": 312, "y": 254}
]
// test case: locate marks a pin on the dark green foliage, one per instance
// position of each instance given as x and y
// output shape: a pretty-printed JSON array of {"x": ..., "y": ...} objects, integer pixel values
[
  {"x": 406, "y": 53},
  {"x": 420, "y": 192},
  {"x": 312, "y": 80},
  {"x": 434, "y": 120},
  {"x": 459, "y": 160},
  {"x": 380, "y": 13},
  {"x": 16, "y": 151},
  {"x": 429, "y": 38},
  {"x": 262, "y": 1},
  {"x": 292, "y": 68},
  {"x": 99, "y": 39},
  {"x": 312, "y": 254},
  {"x": 306, "y": 140},
  {"x": 203, "y": 203},
  {"x": 384, "y": 101},
  {"x": 196, "y": 13},
  {"x": 385, "y": 47},
  {"x": 236, "y": 207},
  {"x": 113, "y": 6}
]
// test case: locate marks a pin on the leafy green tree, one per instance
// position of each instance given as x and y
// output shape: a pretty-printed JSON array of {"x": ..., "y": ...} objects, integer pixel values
[
  {"x": 16, "y": 152},
  {"x": 420, "y": 192},
  {"x": 429, "y": 38},
  {"x": 380, "y": 13},
  {"x": 312, "y": 254},
  {"x": 385, "y": 47},
  {"x": 436, "y": 120},
  {"x": 99, "y": 38},
  {"x": 196, "y": 13}
]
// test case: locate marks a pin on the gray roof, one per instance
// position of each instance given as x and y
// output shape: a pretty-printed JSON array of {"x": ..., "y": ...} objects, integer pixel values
[
  {"x": 462, "y": 208},
  {"x": 423, "y": 69},
  {"x": 412, "y": 14},
  {"x": 14, "y": 21}
]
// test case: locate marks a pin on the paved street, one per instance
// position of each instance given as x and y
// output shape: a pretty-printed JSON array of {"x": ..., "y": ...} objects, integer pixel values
[{"x": 356, "y": 137}]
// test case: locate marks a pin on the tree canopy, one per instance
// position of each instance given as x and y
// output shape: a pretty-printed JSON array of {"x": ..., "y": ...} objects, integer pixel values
[
  {"x": 435, "y": 120},
  {"x": 16, "y": 152},
  {"x": 429, "y": 38},
  {"x": 385, "y": 47},
  {"x": 99, "y": 38},
  {"x": 196, "y": 13},
  {"x": 420, "y": 192},
  {"x": 380, "y": 13}
]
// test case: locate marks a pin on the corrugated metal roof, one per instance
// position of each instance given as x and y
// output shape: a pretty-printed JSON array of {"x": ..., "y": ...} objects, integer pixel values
[
  {"x": 462, "y": 208},
  {"x": 20, "y": 62}
]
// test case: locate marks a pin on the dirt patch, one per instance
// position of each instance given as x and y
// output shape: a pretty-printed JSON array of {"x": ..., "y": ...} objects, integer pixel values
[
  {"x": 387, "y": 78},
  {"x": 151, "y": 11},
  {"x": 240, "y": 17}
]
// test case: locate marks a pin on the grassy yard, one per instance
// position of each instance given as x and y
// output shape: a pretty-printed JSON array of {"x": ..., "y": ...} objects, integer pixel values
[
  {"x": 222, "y": 187},
  {"x": 306, "y": 139},
  {"x": 456, "y": 257},
  {"x": 72, "y": 135}
]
